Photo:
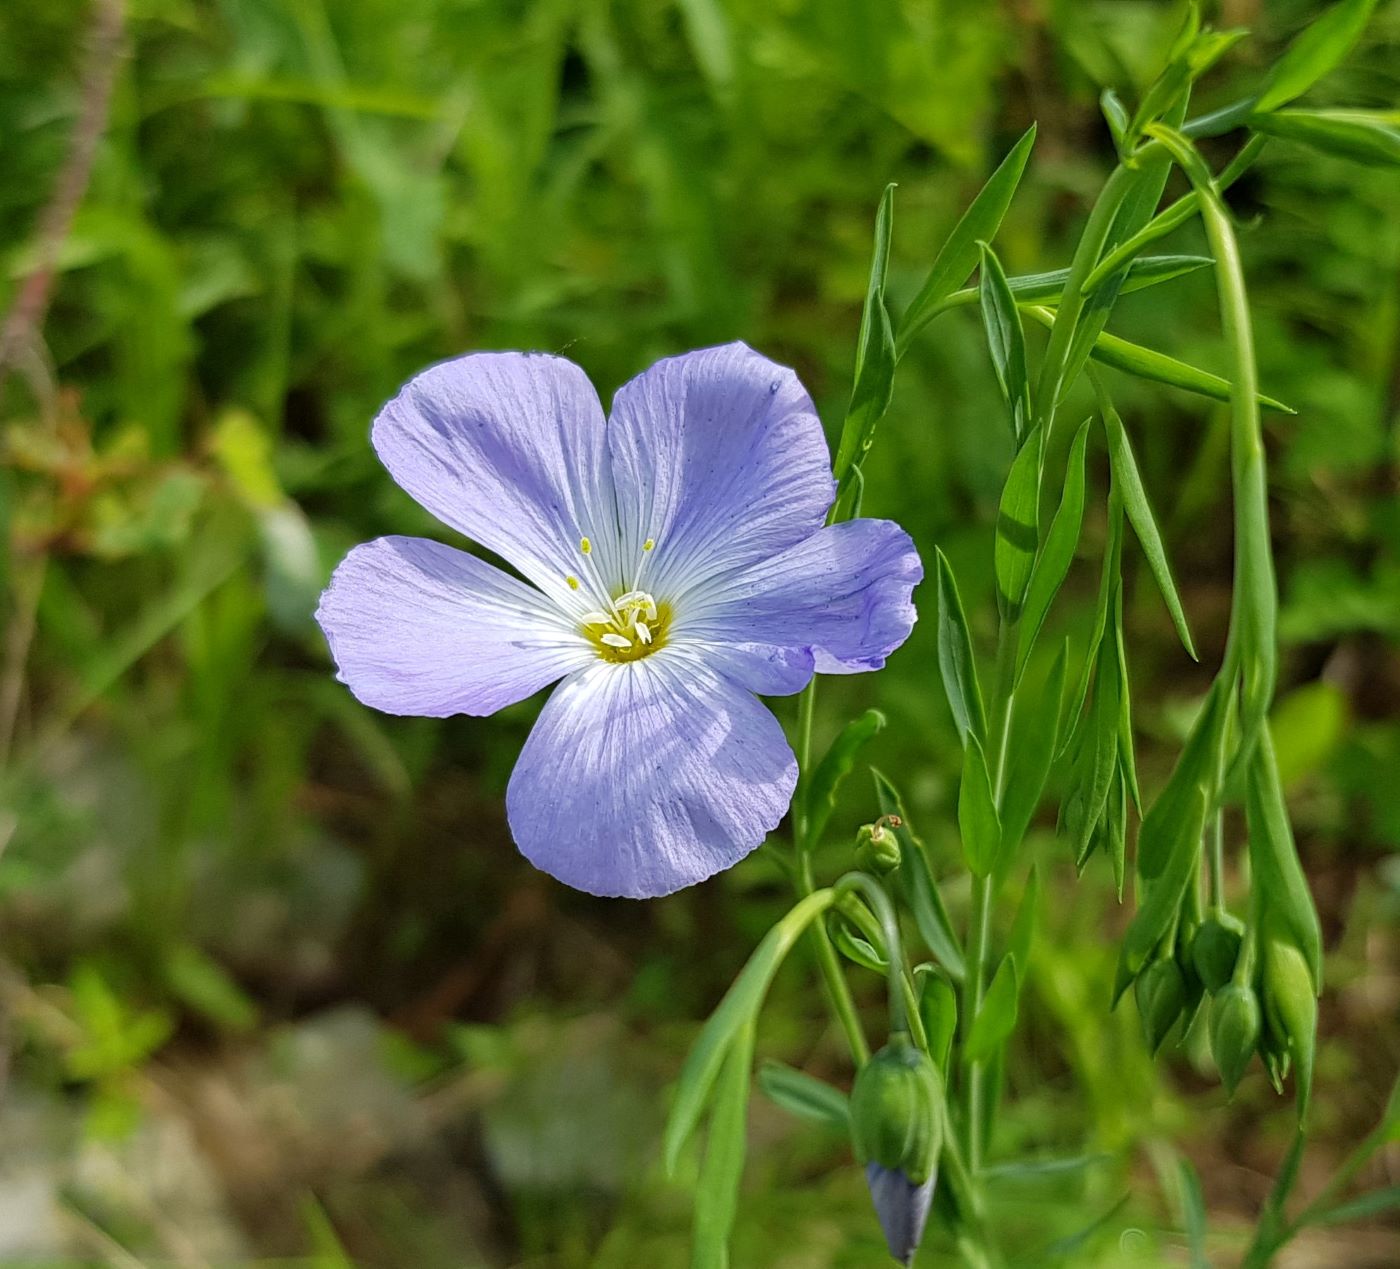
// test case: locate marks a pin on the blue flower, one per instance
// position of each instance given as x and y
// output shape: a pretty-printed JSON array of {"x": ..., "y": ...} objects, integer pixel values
[{"x": 675, "y": 563}]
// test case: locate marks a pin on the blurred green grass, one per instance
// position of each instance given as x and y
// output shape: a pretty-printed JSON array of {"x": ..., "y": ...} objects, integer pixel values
[{"x": 257, "y": 936}]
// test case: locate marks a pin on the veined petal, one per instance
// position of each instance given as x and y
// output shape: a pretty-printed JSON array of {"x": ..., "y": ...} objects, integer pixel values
[
  {"x": 416, "y": 627},
  {"x": 719, "y": 457},
  {"x": 844, "y": 593},
  {"x": 645, "y": 777},
  {"x": 509, "y": 449}
]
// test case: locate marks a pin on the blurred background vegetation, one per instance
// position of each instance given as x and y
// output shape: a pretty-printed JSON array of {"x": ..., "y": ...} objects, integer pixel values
[{"x": 274, "y": 984}]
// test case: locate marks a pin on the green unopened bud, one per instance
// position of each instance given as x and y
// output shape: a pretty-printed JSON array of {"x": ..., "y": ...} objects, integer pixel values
[
  {"x": 877, "y": 848},
  {"x": 1234, "y": 1031},
  {"x": 938, "y": 1010},
  {"x": 1290, "y": 1007},
  {"x": 897, "y": 1125},
  {"x": 1161, "y": 994},
  {"x": 897, "y": 1112},
  {"x": 1216, "y": 948}
]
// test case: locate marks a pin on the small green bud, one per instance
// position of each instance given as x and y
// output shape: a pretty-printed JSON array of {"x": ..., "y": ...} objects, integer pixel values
[
  {"x": 877, "y": 848},
  {"x": 938, "y": 1010},
  {"x": 1234, "y": 1031},
  {"x": 897, "y": 1112},
  {"x": 1216, "y": 948},
  {"x": 1290, "y": 1006},
  {"x": 1161, "y": 993}
]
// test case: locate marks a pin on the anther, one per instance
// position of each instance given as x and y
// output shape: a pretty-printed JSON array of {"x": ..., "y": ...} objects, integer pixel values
[
  {"x": 649, "y": 544},
  {"x": 573, "y": 581},
  {"x": 585, "y": 546},
  {"x": 615, "y": 640},
  {"x": 643, "y": 631},
  {"x": 596, "y": 619}
]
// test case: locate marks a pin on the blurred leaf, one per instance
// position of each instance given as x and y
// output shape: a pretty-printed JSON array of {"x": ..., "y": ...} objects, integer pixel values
[
  {"x": 833, "y": 769},
  {"x": 918, "y": 886},
  {"x": 977, "y": 813},
  {"x": 327, "y": 1251},
  {"x": 1020, "y": 1171},
  {"x": 1369, "y": 137},
  {"x": 1365, "y": 1207},
  {"x": 1307, "y": 725},
  {"x": 1035, "y": 720},
  {"x": 202, "y": 984},
  {"x": 739, "y": 1007},
  {"x": 1196, "y": 771},
  {"x": 1065, "y": 1248},
  {"x": 1052, "y": 564},
  {"x": 807, "y": 1098},
  {"x": 1193, "y": 1211},
  {"x": 996, "y": 1019},
  {"x": 955, "y": 659},
  {"x": 958, "y": 255},
  {"x": 1018, "y": 528},
  {"x": 1316, "y": 51},
  {"x": 1019, "y": 942},
  {"x": 717, "y": 1194}
]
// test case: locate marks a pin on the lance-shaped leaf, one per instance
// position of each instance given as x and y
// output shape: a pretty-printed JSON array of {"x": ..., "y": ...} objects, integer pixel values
[
  {"x": 1116, "y": 829},
  {"x": 1052, "y": 565},
  {"x": 1195, "y": 774},
  {"x": 1139, "y": 274},
  {"x": 1127, "y": 758},
  {"x": 1162, "y": 896},
  {"x": 996, "y": 1019},
  {"x": 740, "y": 1006},
  {"x": 833, "y": 769},
  {"x": 1286, "y": 905},
  {"x": 1147, "y": 363},
  {"x": 979, "y": 223},
  {"x": 1006, "y": 341},
  {"x": 874, "y": 377},
  {"x": 1035, "y": 724},
  {"x": 916, "y": 882},
  {"x": 955, "y": 660},
  {"x": 1097, "y": 763},
  {"x": 1110, "y": 576},
  {"x": 1370, "y": 137},
  {"x": 1018, "y": 528},
  {"x": 977, "y": 812},
  {"x": 804, "y": 1096},
  {"x": 1116, "y": 115},
  {"x": 857, "y": 950},
  {"x": 1317, "y": 50},
  {"x": 717, "y": 1194},
  {"x": 1139, "y": 510}
]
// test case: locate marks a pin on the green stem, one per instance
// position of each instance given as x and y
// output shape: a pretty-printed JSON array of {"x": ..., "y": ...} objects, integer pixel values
[{"x": 838, "y": 991}]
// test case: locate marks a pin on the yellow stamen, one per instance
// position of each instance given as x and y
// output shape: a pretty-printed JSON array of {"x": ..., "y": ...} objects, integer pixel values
[
  {"x": 573, "y": 581},
  {"x": 585, "y": 546}
]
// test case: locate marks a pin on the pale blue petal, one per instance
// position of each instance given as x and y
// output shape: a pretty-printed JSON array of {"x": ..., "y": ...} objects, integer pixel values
[
  {"x": 902, "y": 1207},
  {"x": 719, "y": 458},
  {"x": 509, "y": 449},
  {"x": 416, "y": 627},
  {"x": 640, "y": 779},
  {"x": 843, "y": 595}
]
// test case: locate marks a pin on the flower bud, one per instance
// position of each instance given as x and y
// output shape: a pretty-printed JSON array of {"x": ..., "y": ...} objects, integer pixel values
[
  {"x": 1234, "y": 1031},
  {"x": 877, "y": 848},
  {"x": 1290, "y": 1006},
  {"x": 1161, "y": 992},
  {"x": 1216, "y": 948},
  {"x": 897, "y": 1123}
]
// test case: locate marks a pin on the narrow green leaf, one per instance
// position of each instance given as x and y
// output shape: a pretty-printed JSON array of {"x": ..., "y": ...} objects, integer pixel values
[
  {"x": 919, "y": 889},
  {"x": 1139, "y": 274},
  {"x": 1127, "y": 758},
  {"x": 996, "y": 1019},
  {"x": 1035, "y": 724},
  {"x": 1139, "y": 511},
  {"x": 1147, "y": 363},
  {"x": 1193, "y": 1213},
  {"x": 1158, "y": 909},
  {"x": 717, "y": 1194},
  {"x": 1115, "y": 114},
  {"x": 1195, "y": 772},
  {"x": 1018, "y": 528},
  {"x": 1288, "y": 912},
  {"x": 740, "y": 1005},
  {"x": 1098, "y": 759},
  {"x": 1073, "y": 1244},
  {"x": 875, "y": 357},
  {"x": 1370, "y": 137},
  {"x": 938, "y": 1009},
  {"x": 1366, "y": 1206},
  {"x": 958, "y": 255},
  {"x": 1317, "y": 50},
  {"x": 805, "y": 1097},
  {"x": 977, "y": 813},
  {"x": 1052, "y": 565},
  {"x": 1023, "y": 926},
  {"x": 856, "y": 949},
  {"x": 1006, "y": 341},
  {"x": 1022, "y": 1171},
  {"x": 1110, "y": 588},
  {"x": 955, "y": 659},
  {"x": 835, "y": 766},
  {"x": 1116, "y": 829}
]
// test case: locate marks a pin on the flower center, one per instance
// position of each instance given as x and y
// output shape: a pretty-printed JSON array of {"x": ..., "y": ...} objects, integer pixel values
[
  {"x": 634, "y": 626},
  {"x": 629, "y": 623}
]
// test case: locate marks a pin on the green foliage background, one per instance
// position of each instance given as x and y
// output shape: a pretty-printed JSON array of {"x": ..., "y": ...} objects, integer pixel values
[{"x": 273, "y": 980}]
